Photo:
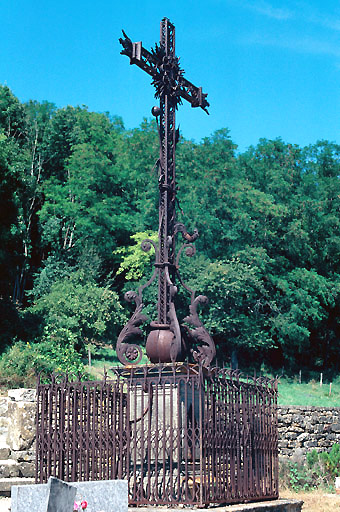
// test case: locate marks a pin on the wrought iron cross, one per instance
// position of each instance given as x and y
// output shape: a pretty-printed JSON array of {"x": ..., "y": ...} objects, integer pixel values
[{"x": 167, "y": 341}]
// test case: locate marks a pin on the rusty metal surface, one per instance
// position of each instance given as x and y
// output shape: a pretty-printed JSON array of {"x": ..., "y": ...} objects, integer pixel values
[
  {"x": 179, "y": 433},
  {"x": 181, "y": 342}
]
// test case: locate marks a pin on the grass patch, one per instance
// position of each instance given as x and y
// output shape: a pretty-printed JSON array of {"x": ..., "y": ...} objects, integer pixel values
[{"x": 291, "y": 392}]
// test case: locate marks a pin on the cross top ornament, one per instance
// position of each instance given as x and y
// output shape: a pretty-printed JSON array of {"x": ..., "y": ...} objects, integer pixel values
[
  {"x": 163, "y": 65},
  {"x": 167, "y": 341}
]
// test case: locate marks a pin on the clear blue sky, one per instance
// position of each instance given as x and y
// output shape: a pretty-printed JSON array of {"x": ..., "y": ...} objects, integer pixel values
[{"x": 270, "y": 68}]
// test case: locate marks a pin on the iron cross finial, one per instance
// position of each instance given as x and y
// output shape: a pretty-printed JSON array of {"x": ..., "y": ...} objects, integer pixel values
[{"x": 163, "y": 66}]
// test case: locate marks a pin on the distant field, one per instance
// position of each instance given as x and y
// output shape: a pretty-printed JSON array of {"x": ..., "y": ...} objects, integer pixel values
[{"x": 311, "y": 393}]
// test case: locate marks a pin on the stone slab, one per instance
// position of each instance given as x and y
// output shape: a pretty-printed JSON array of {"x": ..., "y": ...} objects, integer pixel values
[
  {"x": 9, "y": 468},
  {"x": 101, "y": 496},
  {"x": 21, "y": 427},
  {"x": 280, "y": 505},
  {"x": 5, "y": 452}
]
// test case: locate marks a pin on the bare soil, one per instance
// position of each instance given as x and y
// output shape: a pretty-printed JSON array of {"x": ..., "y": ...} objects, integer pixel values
[{"x": 314, "y": 501}]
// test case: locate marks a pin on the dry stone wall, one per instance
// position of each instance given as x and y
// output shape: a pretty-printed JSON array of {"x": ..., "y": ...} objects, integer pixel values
[
  {"x": 17, "y": 434},
  {"x": 302, "y": 429}
]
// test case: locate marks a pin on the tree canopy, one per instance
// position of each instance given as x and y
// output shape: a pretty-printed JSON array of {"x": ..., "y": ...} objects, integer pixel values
[{"x": 79, "y": 192}]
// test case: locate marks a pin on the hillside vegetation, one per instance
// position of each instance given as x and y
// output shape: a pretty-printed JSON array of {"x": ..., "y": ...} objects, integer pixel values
[{"x": 78, "y": 193}]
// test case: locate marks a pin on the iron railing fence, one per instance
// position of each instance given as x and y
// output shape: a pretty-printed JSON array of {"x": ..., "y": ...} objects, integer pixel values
[{"x": 179, "y": 433}]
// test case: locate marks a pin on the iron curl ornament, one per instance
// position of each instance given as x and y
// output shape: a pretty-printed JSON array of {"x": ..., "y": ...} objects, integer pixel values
[{"x": 167, "y": 341}]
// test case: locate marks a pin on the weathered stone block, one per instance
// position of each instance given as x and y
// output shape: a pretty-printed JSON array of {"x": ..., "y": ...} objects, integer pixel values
[
  {"x": 6, "y": 483},
  {"x": 302, "y": 437},
  {"x": 8, "y": 468},
  {"x": 27, "y": 469},
  {"x": 311, "y": 444},
  {"x": 21, "y": 425},
  {"x": 291, "y": 435},
  {"x": 3, "y": 406},
  {"x": 22, "y": 395},
  {"x": 23, "y": 455},
  {"x": 5, "y": 452}
]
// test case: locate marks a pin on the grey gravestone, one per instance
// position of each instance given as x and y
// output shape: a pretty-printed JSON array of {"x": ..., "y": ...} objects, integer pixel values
[
  {"x": 60, "y": 496},
  {"x": 101, "y": 496}
]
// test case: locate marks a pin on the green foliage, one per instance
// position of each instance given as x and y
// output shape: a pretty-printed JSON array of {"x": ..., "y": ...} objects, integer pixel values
[
  {"x": 331, "y": 460},
  {"x": 239, "y": 305},
  {"x": 299, "y": 477},
  {"x": 318, "y": 471},
  {"x": 12, "y": 115},
  {"x": 135, "y": 262},
  {"x": 75, "y": 310},
  {"x": 22, "y": 362}
]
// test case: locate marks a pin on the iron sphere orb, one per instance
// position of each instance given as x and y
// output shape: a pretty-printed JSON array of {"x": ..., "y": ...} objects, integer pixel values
[
  {"x": 156, "y": 111},
  {"x": 158, "y": 345}
]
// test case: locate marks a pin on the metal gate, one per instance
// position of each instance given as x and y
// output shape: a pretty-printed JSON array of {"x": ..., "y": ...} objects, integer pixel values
[{"x": 179, "y": 433}]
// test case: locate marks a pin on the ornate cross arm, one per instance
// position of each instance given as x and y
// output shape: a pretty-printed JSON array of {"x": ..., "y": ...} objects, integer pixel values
[
  {"x": 139, "y": 55},
  {"x": 193, "y": 94},
  {"x": 165, "y": 72}
]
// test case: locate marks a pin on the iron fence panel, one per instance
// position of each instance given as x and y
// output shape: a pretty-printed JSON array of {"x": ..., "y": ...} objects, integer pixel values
[{"x": 179, "y": 433}]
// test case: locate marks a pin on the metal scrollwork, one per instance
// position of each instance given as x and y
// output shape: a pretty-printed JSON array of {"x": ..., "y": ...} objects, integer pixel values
[
  {"x": 176, "y": 343},
  {"x": 131, "y": 353},
  {"x": 180, "y": 228},
  {"x": 189, "y": 250},
  {"x": 205, "y": 346}
]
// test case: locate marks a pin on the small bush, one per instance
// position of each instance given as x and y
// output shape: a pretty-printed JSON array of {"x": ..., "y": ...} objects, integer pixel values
[
  {"x": 331, "y": 460},
  {"x": 319, "y": 470},
  {"x": 22, "y": 362}
]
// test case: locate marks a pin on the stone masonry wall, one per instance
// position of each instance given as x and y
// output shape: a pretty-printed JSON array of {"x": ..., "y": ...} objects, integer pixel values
[
  {"x": 17, "y": 434},
  {"x": 303, "y": 428}
]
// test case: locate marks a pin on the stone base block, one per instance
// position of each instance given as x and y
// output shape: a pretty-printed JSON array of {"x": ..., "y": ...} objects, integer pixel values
[
  {"x": 105, "y": 495},
  {"x": 9, "y": 468}
]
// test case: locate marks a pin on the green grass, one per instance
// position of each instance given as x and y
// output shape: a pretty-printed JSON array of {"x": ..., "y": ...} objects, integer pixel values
[{"x": 309, "y": 393}]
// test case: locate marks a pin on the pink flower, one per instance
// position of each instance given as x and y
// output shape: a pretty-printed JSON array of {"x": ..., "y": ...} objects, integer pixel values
[
  {"x": 75, "y": 506},
  {"x": 83, "y": 504}
]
